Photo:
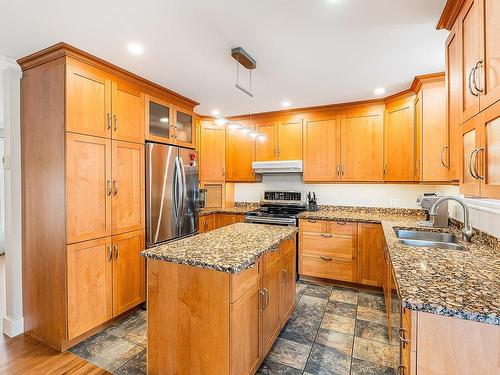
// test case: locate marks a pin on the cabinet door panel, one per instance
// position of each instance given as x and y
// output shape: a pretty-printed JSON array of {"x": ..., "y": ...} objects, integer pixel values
[
  {"x": 288, "y": 286},
  {"x": 240, "y": 153},
  {"x": 290, "y": 140},
  {"x": 88, "y": 101},
  {"x": 212, "y": 152},
  {"x": 469, "y": 185},
  {"x": 321, "y": 152},
  {"x": 361, "y": 147},
  {"x": 266, "y": 149},
  {"x": 371, "y": 254},
  {"x": 128, "y": 271},
  {"x": 399, "y": 142},
  {"x": 489, "y": 156},
  {"x": 490, "y": 24},
  {"x": 128, "y": 187},
  {"x": 184, "y": 128},
  {"x": 88, "y": 187},
  {"x": 158, "y": 120},
  {"x": 128, "y": 113},
  {"x": 89, "y": 276},
  {"x": 469, "y": 36},
  {"x": 271, "y": 285}
]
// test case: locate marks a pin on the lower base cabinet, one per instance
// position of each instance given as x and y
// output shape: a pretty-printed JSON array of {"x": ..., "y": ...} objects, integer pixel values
[
  {"x": 216, "y": 322},
  {"x": 207, "y": 223},
  {"x": 105, "y": 279}
]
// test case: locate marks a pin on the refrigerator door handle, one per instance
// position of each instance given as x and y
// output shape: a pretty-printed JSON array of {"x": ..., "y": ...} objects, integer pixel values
[
  {"x": 180, "y": 191},
  {"x": 184, "y": 188}
]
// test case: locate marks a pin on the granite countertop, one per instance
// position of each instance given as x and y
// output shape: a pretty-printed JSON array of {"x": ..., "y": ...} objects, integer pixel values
[
  {"x": 238, "y": 209},
  {"x": 228, "y": 249},
  {"x": 362, "y": 214}
]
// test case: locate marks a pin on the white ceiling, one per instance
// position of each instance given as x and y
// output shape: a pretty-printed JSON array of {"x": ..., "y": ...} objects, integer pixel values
[{"x": 309, "y": 52}]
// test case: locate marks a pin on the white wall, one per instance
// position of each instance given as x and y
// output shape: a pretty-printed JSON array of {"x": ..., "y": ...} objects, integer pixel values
[
  {"x": 484, "y": 214},
  {"x": 371, "y": 195}
]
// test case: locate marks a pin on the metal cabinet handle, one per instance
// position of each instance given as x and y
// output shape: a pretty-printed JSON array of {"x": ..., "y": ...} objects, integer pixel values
[
  {"x": 110, "y": 254},
  {"x": 342, "y": 170},
  {"x": 385, "y": 169},
  {"x": 109, "y": 120},
  {"x": 115, "y": 187},
  {"x": 115, "y": 247},
  {"x": 311, "y": 221},
  {"x": 470, "y": 82},
  {"x": 341, "y": 222},
  {"x": 471, "y": 170},
  {"x": 109, "y": 188},
  {"x": 206, "y": 225},
  {"x": 386, "y": 254},
  {"x": 441, "y": 156},
  {"x": 478, "y": 150},
  {"x": 401, "y": 336},
  {"x": 262, "y": 295},
  {"x": 401, "y": 370},
  {"x": 474, "y": 80},
  {"x": 326, "y": 259},
  {"x": 285, "y": 280},
  {"x": 115, "y": 117},
  {"x": 279, "y": 151},
  {"x": 267, "y": 298},
  {"x": 326, "y": 235}
]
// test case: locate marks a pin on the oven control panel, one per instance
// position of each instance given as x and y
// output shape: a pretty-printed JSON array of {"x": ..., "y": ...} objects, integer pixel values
[{"x": 287, "y": 197}]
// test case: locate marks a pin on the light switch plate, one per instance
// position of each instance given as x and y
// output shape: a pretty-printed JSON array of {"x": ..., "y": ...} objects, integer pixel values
[{"x": 395, "y": 202}]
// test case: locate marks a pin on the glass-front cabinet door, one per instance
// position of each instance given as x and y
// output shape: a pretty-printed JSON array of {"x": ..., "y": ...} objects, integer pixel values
[
  {"x": 184, "y": 127},
  {"x": 159, "y": 122}
]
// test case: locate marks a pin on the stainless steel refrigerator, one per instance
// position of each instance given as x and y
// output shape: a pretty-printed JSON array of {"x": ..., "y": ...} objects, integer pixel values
[{"x": 171, "y": 193}]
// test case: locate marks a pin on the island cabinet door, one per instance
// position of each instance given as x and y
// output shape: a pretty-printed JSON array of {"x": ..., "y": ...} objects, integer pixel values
[
  {"x": 128, "y": 271},
  {"x": 246, "y": 321},
  {"x": 287, "y": 280},
  {"x": 272, "y": 294}
]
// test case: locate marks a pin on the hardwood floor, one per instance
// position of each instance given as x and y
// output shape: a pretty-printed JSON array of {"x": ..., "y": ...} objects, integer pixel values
[{"x": 25, "y": 355}]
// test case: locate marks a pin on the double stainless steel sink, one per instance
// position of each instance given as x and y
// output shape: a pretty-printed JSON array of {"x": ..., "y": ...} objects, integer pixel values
[{"x": 428, "y": 239}]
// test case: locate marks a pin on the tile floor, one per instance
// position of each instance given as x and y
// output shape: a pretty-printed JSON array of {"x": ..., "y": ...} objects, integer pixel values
[{"x": 333, "y": 330}]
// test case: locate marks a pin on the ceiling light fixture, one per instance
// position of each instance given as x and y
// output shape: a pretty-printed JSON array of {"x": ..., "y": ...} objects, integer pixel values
[
  {"x": 286, "y": 104},
  {"x": 135, "y": 48},
  {"x": 164, "y": 119},
  {"x": 215, "y": 112},
  {"x": 253, "y": 134},
  {"x": 379, "y": 91},
  {"x": 221, "y": 121},
  {"x": 261, "y": 137},
  {"x": 234, "y": 126},
  {"x": 245, "y": 130}
]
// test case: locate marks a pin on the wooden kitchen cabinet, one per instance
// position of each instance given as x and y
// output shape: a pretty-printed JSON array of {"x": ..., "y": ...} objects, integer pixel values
[
  {"x": 129, "y": 288},
  {"x": 212, "y": 152},
  {"x": 90, "y": 279},
  {"x": 88, "y": 187},
  {"x": 184, "y": 132},
  {"x": 271, "y": 286},
  {"x": 219, "y": 194},
  {"x": 321, "y": 150},
  {"x": 362, "y": 145},
  {"x": 127, "y": 187},
  {"x": 221, "y": 220},
  {"x": 283, "y": 140},
  {"x": 370, "y": 254},
  {"x": 287, "y": 281},
  {"x": 240, "y": 154},
  {"x": 206, "y": 223},
  {"x": 399, "y": 140},
  {"x": 128, "y": 112}
]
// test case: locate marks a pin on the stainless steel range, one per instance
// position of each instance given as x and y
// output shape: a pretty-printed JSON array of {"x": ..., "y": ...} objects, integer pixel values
[{"x": 279, "y": 208}]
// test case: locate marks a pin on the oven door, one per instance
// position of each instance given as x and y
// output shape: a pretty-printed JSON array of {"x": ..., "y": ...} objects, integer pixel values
[{"x": 291, "y": 222}]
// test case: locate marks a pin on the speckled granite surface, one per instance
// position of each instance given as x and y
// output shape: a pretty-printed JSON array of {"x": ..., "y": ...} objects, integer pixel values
[
  {"x": 459, "y": 283},
  {"x": 240, "y": 208},
  {"x": 362, "y": 214},
  {"x": 228, "y": 249}
]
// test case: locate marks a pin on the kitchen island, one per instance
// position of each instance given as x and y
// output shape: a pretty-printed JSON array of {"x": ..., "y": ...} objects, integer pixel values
[{"x": 217, "y": 301}]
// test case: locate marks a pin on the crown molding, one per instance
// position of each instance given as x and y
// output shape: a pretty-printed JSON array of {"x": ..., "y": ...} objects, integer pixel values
[{"x": 449, "y": 14}]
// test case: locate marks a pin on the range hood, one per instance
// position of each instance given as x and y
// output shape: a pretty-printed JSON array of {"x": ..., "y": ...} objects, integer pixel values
[{"x": 285, "y": 166}]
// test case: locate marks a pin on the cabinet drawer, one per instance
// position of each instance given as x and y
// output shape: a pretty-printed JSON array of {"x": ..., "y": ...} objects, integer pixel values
[
  {"x": 340, "y": 247},
  {"x": 343, "y": 227},
  {"x": 245, "y": 280},
  {"x": 287, "y": 247},
  {"x": 316, "y": 266},
  {"x": 315, "y": 226}
]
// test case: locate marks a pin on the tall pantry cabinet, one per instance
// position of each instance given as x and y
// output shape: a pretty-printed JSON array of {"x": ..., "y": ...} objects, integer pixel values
[{"x": 83, "y": 193}]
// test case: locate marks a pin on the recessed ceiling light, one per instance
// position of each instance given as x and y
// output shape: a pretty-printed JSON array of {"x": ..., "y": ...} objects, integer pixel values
[
  {"x": 245, "y": 130},
  {"x": 135, "y": 48},
  {"x": 221, "y": 121},
  {"x": 253, "y": 134},
  {"x": 261, "y": 137},
  {"x": 379, "y": 91},
  {"x": 164, "y": 119},
  {"x": 286, "y": 104},
  {"x": 234, "y": 126},
  {"x": 215, "y": 112}
]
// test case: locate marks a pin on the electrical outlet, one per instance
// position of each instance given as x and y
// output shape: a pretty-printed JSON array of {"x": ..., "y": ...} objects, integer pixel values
[{"x": 395, "y": 202}]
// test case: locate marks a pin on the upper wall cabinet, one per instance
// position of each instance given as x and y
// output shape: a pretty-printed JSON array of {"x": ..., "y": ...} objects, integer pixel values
[
  {"x": 399, "y": 140},
  {"x": 240, "y": 153},
  {"x": 102, "y": 105},
  {"x": 283, "y": 140},
  {"x": 167, "y": 123},
  {"x": 212, "y": 152}
]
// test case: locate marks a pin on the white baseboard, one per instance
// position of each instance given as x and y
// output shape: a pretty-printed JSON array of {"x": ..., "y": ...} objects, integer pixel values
[{"x": 14, "y": 327}]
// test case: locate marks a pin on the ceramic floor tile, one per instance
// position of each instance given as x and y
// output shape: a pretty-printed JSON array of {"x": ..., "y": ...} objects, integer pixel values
[
  {"x": 336, "y": 340},
  {"x": 116, "y": 355},
  {"x": 341, "y": 308},
  {"x": 300, "y": 331},
  {"x": 135, "y": 366},
  {"x": 376, "y": 352},
  {"x": 269, "y": 367},
  {"x": 309, "y": 309},
  {"x": 359, "y": 367},
  {"x": 94, "y": 345},
  {"x": 300, "y": 288},
  {"x": 373, "y": 301},
  {"x": 374, "y": 331},
  {"x": 138, "y": 336},
  {"x": 371, "y": 315},
  {"x": 319, "y": 291},
  {"x": 327, "y": 361},
  {"x": 129, "y": 324},
  {"x": 344, "y": 295},
  {"x": 338, "y": 323},
  {"x": 289, "y": 353}
]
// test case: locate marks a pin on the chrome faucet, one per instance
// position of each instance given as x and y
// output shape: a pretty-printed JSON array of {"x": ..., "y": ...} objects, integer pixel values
[{"x": 467, "y": 232}]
